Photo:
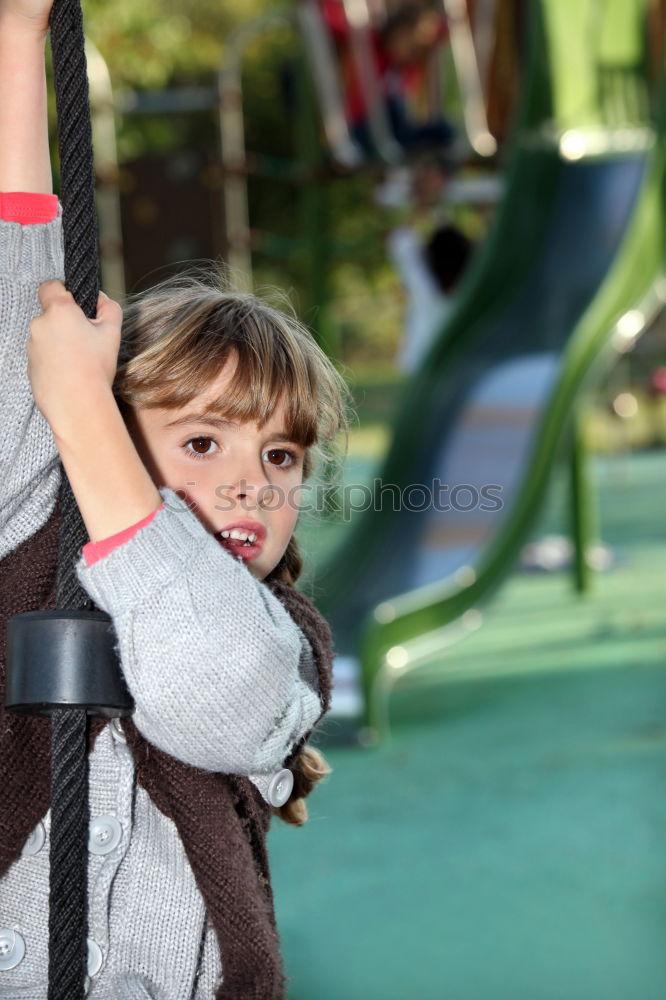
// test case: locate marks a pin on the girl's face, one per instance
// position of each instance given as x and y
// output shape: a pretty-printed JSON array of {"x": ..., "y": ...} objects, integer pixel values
[{"x": 236, "y": 478}]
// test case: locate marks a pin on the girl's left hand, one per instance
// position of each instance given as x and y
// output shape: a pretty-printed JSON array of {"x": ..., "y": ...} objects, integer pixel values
[{"x": 71, "y": 357}]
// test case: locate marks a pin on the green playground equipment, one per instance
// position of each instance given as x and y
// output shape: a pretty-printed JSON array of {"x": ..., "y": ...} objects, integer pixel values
[{"x": 572, "y": 272}]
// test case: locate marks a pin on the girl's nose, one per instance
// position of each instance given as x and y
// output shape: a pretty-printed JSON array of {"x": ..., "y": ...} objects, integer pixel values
[
  {"x": 250, "y": 477},
  {"x": 247, "y": 481}
]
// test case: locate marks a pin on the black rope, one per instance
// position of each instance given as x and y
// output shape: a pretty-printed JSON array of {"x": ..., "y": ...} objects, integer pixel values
[
  {"x": 77, "y": 175},
  {"x": 68, "y": 918},
  {"x": 73, "y": 536},
  {"x": 69, "y": 856}
]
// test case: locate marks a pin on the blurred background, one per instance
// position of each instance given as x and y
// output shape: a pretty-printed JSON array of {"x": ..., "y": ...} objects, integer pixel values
[{"x": 464, "y": 200}]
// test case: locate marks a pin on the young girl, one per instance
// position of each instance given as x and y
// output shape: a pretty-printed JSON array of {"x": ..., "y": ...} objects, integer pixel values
[{"x": 185, "y": 452}]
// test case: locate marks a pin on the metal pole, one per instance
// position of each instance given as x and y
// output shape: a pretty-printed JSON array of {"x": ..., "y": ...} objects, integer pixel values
[
  {"x": 583, "y": 520},
  {"x": 106, "y": 164},
  {"x": 358, "y": 17},
  {"x": 235, "y": 207},
  {"x": 467, "y": 71},
  {"x": 323, "y": 67}
]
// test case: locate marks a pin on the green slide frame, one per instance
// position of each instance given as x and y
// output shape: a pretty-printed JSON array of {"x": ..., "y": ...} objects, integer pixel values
[{"x": 406, "y": 630}]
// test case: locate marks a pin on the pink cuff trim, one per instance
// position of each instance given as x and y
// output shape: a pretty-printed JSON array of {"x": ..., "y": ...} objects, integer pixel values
[
  {"x": 27, "y": 207},
  {"x": 92, "y": 551}
]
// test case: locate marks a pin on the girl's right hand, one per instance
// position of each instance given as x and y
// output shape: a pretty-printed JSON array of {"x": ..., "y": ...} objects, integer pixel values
[{"x": 33, "y": 15}]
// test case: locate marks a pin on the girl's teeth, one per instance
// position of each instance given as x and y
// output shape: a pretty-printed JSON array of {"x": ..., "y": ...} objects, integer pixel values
[{"x": 240, "y": 536}]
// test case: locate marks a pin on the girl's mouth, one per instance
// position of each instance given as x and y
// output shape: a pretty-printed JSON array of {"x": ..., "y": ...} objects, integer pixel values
[{"x": 243, "y": 543}]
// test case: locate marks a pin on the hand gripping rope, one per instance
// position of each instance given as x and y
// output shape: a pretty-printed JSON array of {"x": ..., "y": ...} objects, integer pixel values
[{"x": 62, "y": 663}]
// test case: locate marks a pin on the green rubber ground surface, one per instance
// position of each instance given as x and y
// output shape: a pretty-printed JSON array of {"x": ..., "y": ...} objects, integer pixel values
[{"x": 509, "y": 842}]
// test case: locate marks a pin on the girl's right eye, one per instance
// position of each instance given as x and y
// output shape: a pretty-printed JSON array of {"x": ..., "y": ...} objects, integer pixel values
[{"x": 197, "y": 441}]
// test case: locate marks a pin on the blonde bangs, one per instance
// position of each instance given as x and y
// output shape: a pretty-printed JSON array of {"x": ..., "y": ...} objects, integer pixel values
[
  {"x": 178, "y": 336},
  {"x": 257, "y": 390}
]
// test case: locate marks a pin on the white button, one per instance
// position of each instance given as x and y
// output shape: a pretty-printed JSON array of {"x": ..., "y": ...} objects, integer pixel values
[
  {"x": 12, "y": 948},
  {"x": 94, "y": 957},
  {"x": 280, "y": 787},
  {"x": 117, "y": 730},
  {"x": 104, "y": 834},
  {"x": 35, "y": 841}
]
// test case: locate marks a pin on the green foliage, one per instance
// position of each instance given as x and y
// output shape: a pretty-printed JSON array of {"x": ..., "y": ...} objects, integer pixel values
[{"x": 147, "y": 44}]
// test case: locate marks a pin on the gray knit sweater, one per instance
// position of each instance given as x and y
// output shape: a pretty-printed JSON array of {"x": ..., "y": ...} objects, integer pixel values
[{"x": 221, "y": 676}]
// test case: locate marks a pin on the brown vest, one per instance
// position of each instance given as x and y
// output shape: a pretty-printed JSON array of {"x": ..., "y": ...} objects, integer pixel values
[{"x": 221, "y": 819}]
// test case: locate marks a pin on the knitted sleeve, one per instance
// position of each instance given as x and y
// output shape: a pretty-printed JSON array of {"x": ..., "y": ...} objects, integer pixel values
[
  {"x": 92, "y": 551},
  {"x": 221, "y": 675},
  {"x": 29, "y": 461}
]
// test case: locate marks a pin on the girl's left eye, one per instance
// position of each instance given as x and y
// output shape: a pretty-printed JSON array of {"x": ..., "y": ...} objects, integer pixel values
[
  {"x": 282, "y": 458},
  {"x": 198, "y": 441}
]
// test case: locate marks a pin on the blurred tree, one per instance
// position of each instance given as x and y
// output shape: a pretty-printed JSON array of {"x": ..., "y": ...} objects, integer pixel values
[{"x": 160, "y": 44}]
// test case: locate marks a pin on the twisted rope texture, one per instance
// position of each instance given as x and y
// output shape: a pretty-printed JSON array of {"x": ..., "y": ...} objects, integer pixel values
[
  {"x": 69, "y": 856},
  {"x": 76, "y": 157},
  {"x": 68, "y": 924}
]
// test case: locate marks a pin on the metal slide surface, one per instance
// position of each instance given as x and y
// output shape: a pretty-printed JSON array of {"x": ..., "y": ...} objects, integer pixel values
[{"x": 481, "y": 397}]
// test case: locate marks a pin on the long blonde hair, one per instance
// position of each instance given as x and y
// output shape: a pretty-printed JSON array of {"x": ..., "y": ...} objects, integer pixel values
[{"x": 177, "y": 336}]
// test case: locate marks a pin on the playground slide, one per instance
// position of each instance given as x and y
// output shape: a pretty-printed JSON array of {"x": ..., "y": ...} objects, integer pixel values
[{"x": 576, "y": 250}]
